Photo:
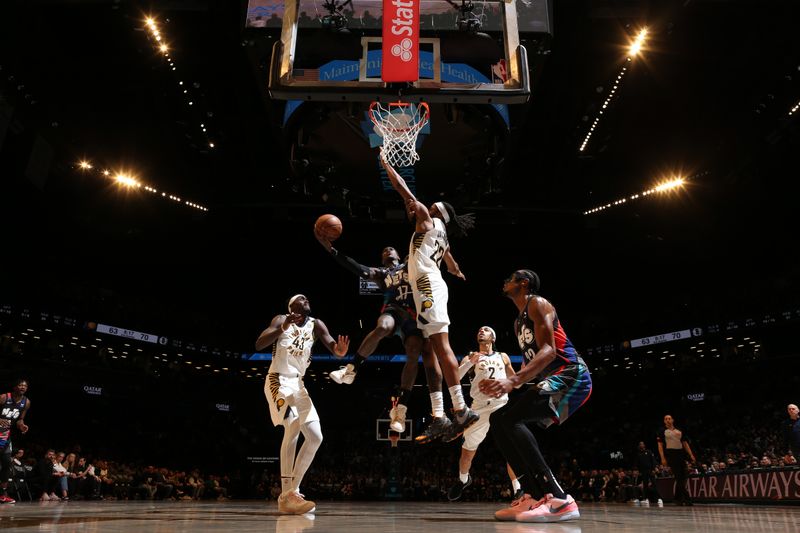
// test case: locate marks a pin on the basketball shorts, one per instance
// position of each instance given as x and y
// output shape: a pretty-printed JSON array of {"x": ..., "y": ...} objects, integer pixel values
[
  {"x": 430, "y": 298},
  {"x": 474, "y": 435},
  {"x": 287, "y": 396},
  {"x": 565, "y": 391},
  {"x": 405, "y": 321}
]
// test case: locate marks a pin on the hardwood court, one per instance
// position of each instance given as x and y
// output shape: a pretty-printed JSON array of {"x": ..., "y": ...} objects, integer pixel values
[{"x": 400, "y": 517}]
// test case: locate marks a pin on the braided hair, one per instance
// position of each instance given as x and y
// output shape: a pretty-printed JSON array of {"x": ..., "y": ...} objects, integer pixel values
[
  {"x": 533, "y": 280},
  {"x": 459, "y": 225}
]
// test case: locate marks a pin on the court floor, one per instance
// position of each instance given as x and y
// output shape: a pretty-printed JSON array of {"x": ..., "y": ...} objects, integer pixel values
[{"x": 333, "y": 517}]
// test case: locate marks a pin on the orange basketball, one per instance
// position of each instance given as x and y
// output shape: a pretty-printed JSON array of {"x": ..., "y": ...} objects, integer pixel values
[{"x": 330, "y": 226}]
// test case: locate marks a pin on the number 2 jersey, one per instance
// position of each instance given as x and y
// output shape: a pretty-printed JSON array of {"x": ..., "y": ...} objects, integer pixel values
[
  {"x": 291, "y": 353},
  {"x": 489, "y": 366}
]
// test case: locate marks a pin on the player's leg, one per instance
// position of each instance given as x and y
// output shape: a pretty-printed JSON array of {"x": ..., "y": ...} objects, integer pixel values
[
  {"x": 413, "y": 344},
  {"x": 439, "y": 423},
  {"x": 384, "y": 327},
  {"x": 309, "y": 426},
  {"x": 291, "y": 432},
  {"x": 463, "y": 417},
  {"x": 5, "y": 470},
  {"x": 464, "y": 479},
  {"x": 515, "y": 484}
]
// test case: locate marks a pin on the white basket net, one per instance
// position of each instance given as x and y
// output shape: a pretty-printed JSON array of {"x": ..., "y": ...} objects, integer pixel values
[{"x": 399, "y": 124}]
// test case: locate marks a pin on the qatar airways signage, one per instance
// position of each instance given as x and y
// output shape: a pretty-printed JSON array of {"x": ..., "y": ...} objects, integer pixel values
[
  {"x": 783, "y": 485},
  {"x": 400, "y": 40}
]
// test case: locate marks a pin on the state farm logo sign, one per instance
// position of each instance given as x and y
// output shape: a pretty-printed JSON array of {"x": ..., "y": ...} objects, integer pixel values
[
  {"x": 400, "y": 61},
  {"x": 403, "y": 50}
]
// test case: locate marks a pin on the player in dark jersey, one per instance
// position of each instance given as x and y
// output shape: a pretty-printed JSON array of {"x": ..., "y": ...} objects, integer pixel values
[
  {"x": 564, "y": 385},
  {"x": 398, "y": 317},
  {"x": 13, "y": 408}
]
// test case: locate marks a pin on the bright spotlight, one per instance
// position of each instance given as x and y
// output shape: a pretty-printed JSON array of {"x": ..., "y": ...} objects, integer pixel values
[
  {"x": 85, "y": 165},
  {"x": 127, "y": 181},
  {"x": 636, "y": 46},
  {"x": 669, "y": 185},
  {"x": 164, "y": 48}
]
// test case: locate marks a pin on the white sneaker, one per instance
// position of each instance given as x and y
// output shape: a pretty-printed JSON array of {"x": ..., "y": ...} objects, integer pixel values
[
  {"x": 645, "y": 503},
  {"x": 345, "y": 375},
  {"x": 398, "y": 416},
  {"x": 294, "y": 503},
  {"x": 660, "y": 502},
  {"x": 635, "y": 503}
]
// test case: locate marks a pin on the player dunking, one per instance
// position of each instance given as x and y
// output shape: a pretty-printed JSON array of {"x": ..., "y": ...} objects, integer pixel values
[
  {"x": 289, "y": 403},
  {"x": 486, "y": 363},
  {"x": 429, "y": 245},
  {"x": 565, "y": 385},
  {"x": 397, "y": 317},
  {"x": 14, "y": 407}
]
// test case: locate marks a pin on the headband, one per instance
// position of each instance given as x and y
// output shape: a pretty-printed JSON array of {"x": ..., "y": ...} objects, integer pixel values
[
  {"x": 494, "y": 335},
  {"x": 443, "y": 211},
  {"x": 293, "y": 299}
]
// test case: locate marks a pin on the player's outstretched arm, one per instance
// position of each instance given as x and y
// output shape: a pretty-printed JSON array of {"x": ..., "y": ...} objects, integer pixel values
[
  {"x": 452, "y": 265},
  {"x": 414, "y": 206},
  {"x": 348, "y": 263},
  {"x": 337, "y": 347}
]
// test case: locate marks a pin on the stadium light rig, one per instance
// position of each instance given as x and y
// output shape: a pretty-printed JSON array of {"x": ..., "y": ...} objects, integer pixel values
[
  {"x": 794, "y": 110},
  {"x": 664, "y": 187},
  {"x": 633, "y": 51},
  {"x": 161, "y": 46},
  {"x": 124, "y": 179}
]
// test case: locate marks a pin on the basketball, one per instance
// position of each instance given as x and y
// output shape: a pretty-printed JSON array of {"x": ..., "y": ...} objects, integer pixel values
[{"x": 330, "y": 226}]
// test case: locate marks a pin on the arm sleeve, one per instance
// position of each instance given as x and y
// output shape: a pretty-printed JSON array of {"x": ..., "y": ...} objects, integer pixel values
[
  {"x": 464, "y": 367},
  {"x": 350, "y": 264}
]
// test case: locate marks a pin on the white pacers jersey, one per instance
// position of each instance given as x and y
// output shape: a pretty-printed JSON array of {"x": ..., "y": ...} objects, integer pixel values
[
  {"x": 292, "y": 351},
  {"x": 489, "y": 366},
  {"x": 426, "y": 251}
]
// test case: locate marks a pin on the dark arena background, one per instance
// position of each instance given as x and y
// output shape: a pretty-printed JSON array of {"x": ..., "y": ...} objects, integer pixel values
[{"x": 157, "y": 205}]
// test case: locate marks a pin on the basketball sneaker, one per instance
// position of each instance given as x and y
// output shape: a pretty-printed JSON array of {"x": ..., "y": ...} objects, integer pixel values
[
  {"x": 520, "y": 505},
  {"x": 294, "y": 503},
  {"x": 660, "y": 502},
  {"x": 436, "y": 430},
  {"x": 461, "y": 421},
  {"x": 645, "y": 503},
  {"x": 551, "y": 509},
  {"x": 4, "y": 498},
  {"x": 457, "y": 490},
  {"x": 519, "y": 493},
  {"x": 345, "y": 375},
  {"x": 398, "y": 416}
]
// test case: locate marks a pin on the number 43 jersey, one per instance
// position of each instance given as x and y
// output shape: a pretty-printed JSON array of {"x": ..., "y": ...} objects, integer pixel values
[{"x": 291, "y": 353}]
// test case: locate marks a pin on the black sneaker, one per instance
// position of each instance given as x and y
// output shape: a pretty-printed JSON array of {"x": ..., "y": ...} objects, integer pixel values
[
  {"x": 519, "y": 493},
  {"x": 457, "y": 490},
  {"x": 439, "y": 426},
  {"x": 461, "y": 421}
]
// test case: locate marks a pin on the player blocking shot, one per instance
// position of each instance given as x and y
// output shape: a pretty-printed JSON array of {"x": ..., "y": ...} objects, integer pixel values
[
  {"x": 292, "y": 336},
  {"x": 429, "y": 246},
  {"x": 398, "y": 317},
  {"x": 486, "y": 363}
]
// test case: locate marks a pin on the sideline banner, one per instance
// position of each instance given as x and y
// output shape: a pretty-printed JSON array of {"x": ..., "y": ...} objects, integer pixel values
[{"x": 779, "y": 484}]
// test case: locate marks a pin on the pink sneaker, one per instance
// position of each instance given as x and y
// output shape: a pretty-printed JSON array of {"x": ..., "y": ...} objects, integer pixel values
[
  {"x": 5, "y": 499},
  {"x": 521, "y": 505},
  {"x": 551, "y": 509}
]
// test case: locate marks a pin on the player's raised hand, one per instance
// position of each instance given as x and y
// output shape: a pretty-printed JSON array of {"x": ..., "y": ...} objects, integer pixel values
[
  {"x": 341, "y": 347},
  {"x": 291, "y": 318}
]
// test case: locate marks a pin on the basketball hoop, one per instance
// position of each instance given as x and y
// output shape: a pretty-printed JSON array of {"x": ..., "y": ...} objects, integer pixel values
[
  {"x": 399, "y": 124},
  {"x": 394, "y": 438}
]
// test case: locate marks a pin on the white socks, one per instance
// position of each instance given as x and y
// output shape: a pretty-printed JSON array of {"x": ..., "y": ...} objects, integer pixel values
[
  {"x": 437, "y": 404},
  {"x": 515, "y": 484},
  {"x": 463, "y": 477},
  {"x": 457, "y": 396}
]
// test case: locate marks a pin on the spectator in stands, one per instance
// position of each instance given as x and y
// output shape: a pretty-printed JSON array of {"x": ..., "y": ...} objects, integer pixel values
[
  {"x": 791, "y": 428},
  {"x": 42, "y": 475},
  {"x": 60, "y": 488}
]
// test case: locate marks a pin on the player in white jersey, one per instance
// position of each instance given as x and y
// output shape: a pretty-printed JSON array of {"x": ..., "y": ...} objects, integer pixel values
[
  {"x": 486, "y": 363},
  {"x": 429, "y": 245},
  {"x": 290, "y": 406}
]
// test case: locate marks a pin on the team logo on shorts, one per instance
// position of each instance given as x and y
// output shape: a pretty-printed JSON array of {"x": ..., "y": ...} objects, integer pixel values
[
  {"x": 424, "y": 288},
  {"x": 280, "y": 403}
]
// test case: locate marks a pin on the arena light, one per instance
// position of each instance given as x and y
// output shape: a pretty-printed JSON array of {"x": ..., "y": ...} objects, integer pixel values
[
  {"x": 633, "y": 51},
  {"x": 85, "y": 165},
  {"x": 125, "y": 180},
  {"x": 795, "y": 109},
  {"x": 663, "y": 187},
  {"x": 159, "y": 41},
  {"x": 636, "y": 46}
]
